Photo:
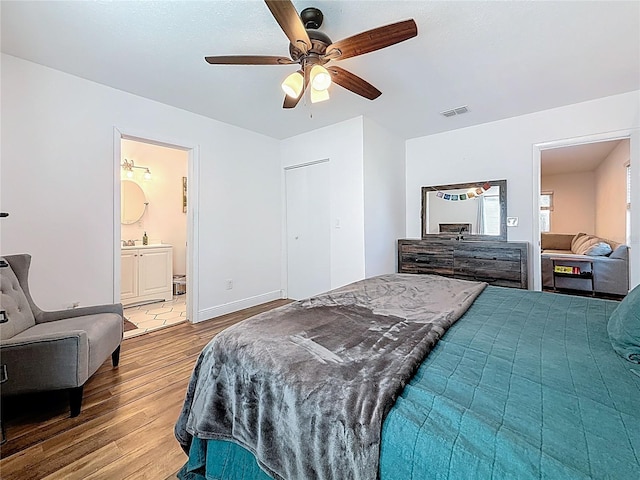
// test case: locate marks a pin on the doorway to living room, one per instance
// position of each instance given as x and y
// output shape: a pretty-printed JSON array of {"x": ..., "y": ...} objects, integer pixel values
[{"x": 584, "y": 218}]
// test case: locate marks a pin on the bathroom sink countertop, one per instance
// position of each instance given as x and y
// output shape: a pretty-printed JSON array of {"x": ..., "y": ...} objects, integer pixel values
[{"x": 151, "y": 245}]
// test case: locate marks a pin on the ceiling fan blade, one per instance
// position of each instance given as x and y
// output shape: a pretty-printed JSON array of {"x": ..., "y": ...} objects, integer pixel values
[
  {"x": 354, "y": 83},
  {"x": 289, "y": 20},
  {"x": 372, "y": 40},
  {"x": 248, "y": 60},
  {"x": 292, "y": 102}
]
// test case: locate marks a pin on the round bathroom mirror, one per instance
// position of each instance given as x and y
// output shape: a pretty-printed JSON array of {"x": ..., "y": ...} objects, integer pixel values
[{"x": 133, "y": 202}]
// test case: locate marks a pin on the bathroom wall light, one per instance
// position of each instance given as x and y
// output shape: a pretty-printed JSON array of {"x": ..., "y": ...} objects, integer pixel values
[{"x": 128, "y": 167}]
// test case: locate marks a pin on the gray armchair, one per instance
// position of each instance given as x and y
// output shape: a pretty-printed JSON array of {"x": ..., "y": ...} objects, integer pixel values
[{"x": 53, "y": 350}]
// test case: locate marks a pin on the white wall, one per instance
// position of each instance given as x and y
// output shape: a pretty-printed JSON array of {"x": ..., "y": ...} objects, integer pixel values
[
  {"x": 384, "y": 198},
  {"x": 163, "y": 220},
  {"x": 57, "y": 182},
  {"x": 611, "y": 194},
  {"x": 574, "y": 201},
  {"x": 342, "y": 145},
  {"x": 507, "y": 149}
]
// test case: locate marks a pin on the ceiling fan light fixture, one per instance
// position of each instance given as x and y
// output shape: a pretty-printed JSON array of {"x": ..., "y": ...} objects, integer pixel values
[
  {"x": 320, "y": 78},
  {"x": 319, "y": 95},
  {"x": 312, "y": 49},
  {"x": 292, "y": 85}
]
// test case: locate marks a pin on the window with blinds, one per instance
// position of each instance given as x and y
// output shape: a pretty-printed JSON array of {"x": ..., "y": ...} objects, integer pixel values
[{"x": 546, "y": 207}]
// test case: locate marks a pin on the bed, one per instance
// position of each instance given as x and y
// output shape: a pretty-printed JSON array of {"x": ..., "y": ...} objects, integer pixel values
[{"x": 522, "y": 385}]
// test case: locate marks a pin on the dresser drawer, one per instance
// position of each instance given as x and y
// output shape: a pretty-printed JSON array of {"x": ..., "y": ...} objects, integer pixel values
[
  {"x": 500, "y": 266},
  {"x": 416, "y": 258},
  {"x": 498, "y": 272}
]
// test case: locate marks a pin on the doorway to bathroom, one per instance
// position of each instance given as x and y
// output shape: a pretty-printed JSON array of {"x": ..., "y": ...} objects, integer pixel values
[{"x": 153, "y": 235}]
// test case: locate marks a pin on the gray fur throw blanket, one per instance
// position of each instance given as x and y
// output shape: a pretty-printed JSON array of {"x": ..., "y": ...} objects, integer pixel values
[{"x": 306, "y": 387}]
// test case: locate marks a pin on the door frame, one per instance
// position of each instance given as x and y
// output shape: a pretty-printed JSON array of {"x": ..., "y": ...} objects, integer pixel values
[
  {"x": 634, "y": 160},
  {"x": 193, "y": 169}
]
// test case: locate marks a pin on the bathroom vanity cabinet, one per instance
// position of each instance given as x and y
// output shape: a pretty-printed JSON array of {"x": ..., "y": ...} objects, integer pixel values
[{"x": 146, "y": 273}]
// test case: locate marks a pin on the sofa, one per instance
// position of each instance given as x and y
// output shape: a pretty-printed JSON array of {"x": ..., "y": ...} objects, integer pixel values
[{"x": 610, "y": 262}]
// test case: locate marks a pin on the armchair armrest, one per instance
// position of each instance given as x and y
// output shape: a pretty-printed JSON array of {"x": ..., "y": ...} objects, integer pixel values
[
  {"x": 49, "y": 361},
  {"x": 51, "y": 316}
]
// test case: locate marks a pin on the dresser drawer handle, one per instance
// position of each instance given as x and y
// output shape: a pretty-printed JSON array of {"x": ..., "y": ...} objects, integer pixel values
[{"x": 485, "y": 279}]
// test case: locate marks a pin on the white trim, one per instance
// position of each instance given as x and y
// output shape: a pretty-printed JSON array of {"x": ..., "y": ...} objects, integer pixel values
[
  {"x": 193, "y": 224},
  {"x": 232, "y": 307},
  {"x": 634, "y": 250},
  {"x": 307, "y": 164},
  {"x": 634, "y": 159},
  {"x": 193, "y": 202},
  {"x": 117, "y": 227}
]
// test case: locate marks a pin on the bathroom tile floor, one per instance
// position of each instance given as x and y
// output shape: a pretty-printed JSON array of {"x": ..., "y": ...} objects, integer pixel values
[{"x": 154, "y": 316}]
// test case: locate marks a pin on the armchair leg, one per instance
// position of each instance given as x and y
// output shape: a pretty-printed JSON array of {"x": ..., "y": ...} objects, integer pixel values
[
  {"x": 115, "y": 356},
  {"x": 75, "y": 400}
]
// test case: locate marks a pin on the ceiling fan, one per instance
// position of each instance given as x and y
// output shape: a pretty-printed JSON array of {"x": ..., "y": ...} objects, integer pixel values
[{"x": 312, "y": 49}]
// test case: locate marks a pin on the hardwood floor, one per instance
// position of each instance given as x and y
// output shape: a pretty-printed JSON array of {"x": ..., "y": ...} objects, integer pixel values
[{"x": 125, "y": 428}]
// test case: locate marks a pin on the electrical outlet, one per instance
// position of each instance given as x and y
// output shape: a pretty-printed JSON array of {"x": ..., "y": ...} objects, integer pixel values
[{"x": 229, "y": 284}]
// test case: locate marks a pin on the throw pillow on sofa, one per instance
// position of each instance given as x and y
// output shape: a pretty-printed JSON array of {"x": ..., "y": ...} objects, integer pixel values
[
  {"x": 599, "y": 249},
  {"x": 575, "y": 240},
  {"x": 590, "y": 245}
]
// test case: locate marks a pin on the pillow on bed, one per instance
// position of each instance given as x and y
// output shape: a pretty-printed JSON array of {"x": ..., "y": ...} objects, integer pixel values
[{"x": 624, "y": 327}]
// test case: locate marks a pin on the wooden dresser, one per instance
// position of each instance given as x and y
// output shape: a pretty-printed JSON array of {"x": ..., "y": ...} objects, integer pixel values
[{"x": 497, "y": 263}]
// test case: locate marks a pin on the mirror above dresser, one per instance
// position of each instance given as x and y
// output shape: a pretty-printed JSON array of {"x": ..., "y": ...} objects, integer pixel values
[
  {"x": 464, "y": 236},
  {"x": 474, "y": 211}
]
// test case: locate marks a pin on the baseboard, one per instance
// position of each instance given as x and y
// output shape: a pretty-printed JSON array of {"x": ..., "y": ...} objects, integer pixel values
[{"x": 231, "y": 307}]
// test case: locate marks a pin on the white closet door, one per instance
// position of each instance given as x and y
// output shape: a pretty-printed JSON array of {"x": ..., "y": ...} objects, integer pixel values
[{"x": 308, "y": 230}]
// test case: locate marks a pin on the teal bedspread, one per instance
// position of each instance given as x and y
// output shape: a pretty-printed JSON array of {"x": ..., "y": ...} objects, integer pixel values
[{"x": 524, "y": 386}]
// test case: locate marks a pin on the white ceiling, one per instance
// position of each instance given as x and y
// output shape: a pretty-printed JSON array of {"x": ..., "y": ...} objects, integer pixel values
[
  {"x": 502, "y": 59},
  {"x": 585, "y": 157}
]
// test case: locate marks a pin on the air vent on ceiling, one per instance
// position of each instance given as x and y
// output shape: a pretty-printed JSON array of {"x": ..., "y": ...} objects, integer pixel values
[{"x": 455, "y": 111}]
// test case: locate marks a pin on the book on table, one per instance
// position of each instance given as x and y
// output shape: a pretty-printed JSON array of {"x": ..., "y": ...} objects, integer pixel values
[{"x": 567, "y": 269}]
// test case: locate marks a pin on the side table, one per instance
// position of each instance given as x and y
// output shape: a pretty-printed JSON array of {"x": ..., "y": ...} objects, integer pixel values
[{"x": 571, "y": 265}]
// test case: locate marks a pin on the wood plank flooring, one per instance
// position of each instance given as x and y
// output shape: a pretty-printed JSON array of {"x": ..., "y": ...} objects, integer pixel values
[{"x": 125, "y": 428}]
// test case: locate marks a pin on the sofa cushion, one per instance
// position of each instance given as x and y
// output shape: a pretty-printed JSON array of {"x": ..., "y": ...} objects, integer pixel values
[
  {"x": 556, "y": 241},
  {"x": 624, "y": 327},
  {"x": 15, "y": 304},
  {"x": 103, "y": 332}
]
